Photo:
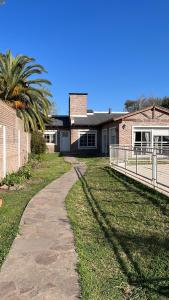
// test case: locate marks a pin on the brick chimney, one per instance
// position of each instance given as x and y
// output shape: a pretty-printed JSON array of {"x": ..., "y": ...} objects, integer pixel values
[{"x": 77, "y": 104}]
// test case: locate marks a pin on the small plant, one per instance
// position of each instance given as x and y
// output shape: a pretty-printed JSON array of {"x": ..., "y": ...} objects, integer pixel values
[
  {"x": 17, "y": 178},
  {"x": 25, "y": 172},
  {"x": 38, "y": 144},
  {"x": 35, "y": 159},
  {"x": 12, "y": 179}
]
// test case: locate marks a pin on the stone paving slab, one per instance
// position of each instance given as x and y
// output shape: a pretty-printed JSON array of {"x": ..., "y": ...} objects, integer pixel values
[{"x": 41, "y": 264}]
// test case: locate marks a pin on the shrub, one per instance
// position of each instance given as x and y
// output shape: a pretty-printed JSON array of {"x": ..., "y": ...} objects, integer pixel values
[
  {"x": 35, "y": 159},
  {"x": 25, "y": 172},
  {"x": 18, "y": 177},
  {"x": 38, "y": 144},
  {"x": 12, "y": 179}
]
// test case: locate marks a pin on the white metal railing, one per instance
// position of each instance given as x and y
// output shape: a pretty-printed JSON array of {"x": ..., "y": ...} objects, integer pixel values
[{"x": 143, "y": 162}]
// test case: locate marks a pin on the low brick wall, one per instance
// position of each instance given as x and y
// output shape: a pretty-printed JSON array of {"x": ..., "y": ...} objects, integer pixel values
[{"x": 14, "y": 141}]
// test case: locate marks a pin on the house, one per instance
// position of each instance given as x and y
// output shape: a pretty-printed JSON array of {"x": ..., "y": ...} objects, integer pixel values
[{"x": 88, "y": 132}]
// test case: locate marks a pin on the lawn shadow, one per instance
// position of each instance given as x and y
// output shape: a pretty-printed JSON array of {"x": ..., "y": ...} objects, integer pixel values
[
  {"x": 122, "y": 243},
  {"x": 157, "y": 199}
]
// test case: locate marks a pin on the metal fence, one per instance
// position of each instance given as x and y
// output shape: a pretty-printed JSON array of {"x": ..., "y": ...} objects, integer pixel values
[{"x": 145, "y": 163}]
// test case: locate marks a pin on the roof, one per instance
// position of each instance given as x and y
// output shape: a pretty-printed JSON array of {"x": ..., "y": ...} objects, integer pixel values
[
  {"x": 157, "y": 107},
  {"x": 129, "y": 114},
  {"x": 96, "y": 118},
  {"x": 59, "y": 121}
]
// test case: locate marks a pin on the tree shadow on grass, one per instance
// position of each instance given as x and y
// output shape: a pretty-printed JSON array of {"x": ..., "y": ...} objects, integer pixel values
[
  {"x": 124, "y": 244},
  {"x": 157, "y": 199}
]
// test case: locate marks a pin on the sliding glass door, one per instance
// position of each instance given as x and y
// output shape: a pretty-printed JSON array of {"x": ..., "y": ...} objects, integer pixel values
[
  {"x": 161, "y": 143},
  {"x": 146, "y": 138}
]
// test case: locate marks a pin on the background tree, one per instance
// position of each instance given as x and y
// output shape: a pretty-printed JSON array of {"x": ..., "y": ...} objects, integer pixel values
[
  {"x": 165, "y": 102},
  {"x": 142, "y": 102},
  {"x": 131, "y": 105},
  {"x": 22, "y": 90}
]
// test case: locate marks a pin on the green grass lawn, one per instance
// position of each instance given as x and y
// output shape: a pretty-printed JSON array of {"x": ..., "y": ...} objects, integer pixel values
[
  {"x": 15, "y": 202},
  {"x": 121, "y": 233}
]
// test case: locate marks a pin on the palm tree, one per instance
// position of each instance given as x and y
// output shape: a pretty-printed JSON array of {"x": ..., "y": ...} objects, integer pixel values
[{"x": 20, "y": 89}]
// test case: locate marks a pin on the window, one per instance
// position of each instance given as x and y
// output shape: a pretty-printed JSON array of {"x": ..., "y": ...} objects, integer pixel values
[
  {"x": 112, "y": 135},
  {"x": 142, "y": 140},
  {"x": 50, "y": 137},
  {"x": 145, "y": 138},
  {"x": 87, "y": 139},
  {"x": 161, "y": 143}
]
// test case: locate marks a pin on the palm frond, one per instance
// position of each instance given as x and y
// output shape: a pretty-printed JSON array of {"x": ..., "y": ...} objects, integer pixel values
[{"x": 17, "y": 86}]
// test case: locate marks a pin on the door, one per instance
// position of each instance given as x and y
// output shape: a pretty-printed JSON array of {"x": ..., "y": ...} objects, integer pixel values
[
  {"x": 64, "y": 141},
  {"x": 112, "y": 136},
  {"x": 104, "y": 141}
]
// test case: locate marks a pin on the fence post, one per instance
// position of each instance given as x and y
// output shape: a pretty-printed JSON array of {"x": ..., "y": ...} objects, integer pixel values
[
  {"x": 125, "y": 159},
  {"x": 136, "y": 162},
  {"x": 154, "y": 167},
  {"x": 117, "y": 155}
]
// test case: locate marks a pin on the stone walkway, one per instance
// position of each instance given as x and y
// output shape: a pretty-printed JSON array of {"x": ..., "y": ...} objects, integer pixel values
[{"x": 41, "y": 263}]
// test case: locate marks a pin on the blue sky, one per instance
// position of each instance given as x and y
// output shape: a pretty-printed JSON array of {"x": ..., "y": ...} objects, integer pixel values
[{"x": 112, "y": 49}]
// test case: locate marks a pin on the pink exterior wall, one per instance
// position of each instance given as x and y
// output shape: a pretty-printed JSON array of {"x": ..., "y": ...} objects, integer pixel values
[
  {"x": 141, "y": 119},
  {"x": 110, "y": 125},
  {"x": 51, "y": 148},
  {"x": 74, "y": 137},
  {"x": 14, "y": 130},
  {"x": 148, "y": 118}
]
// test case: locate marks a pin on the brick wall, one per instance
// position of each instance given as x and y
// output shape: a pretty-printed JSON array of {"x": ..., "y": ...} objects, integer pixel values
[
  {"x": 114, "y": 125},
  {"x": 77, "y": 104},
  {"x": 74, "y": 138},
  {"x": 141, "y": 119},
  {"x": 51, "y": 148},
  {"x": 14, "y": 141},
  {"x": 147, "y": 118}
]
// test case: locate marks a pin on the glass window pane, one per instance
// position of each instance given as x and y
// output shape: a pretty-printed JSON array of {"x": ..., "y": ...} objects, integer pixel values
[
  {"x": 47, "y": 138},
  {"x": 91, "y": 140},
  {"x": 52, "y": 138},
  {"x": 166, "y": 139},
  {"x": 146, "y": 137},
  {"x": 138, "y": 136},
  {"x": 87, "y": 139},
  {"x": 83, "y": 140}
]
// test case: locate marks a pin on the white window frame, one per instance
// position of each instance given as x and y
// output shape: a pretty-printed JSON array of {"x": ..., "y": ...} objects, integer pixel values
[
  {"x": 51, "y": 132},
  {"x": 87, "y": 131},
  {"x": 114, "y": 128},
  {"x": 147, "y": 128}
]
